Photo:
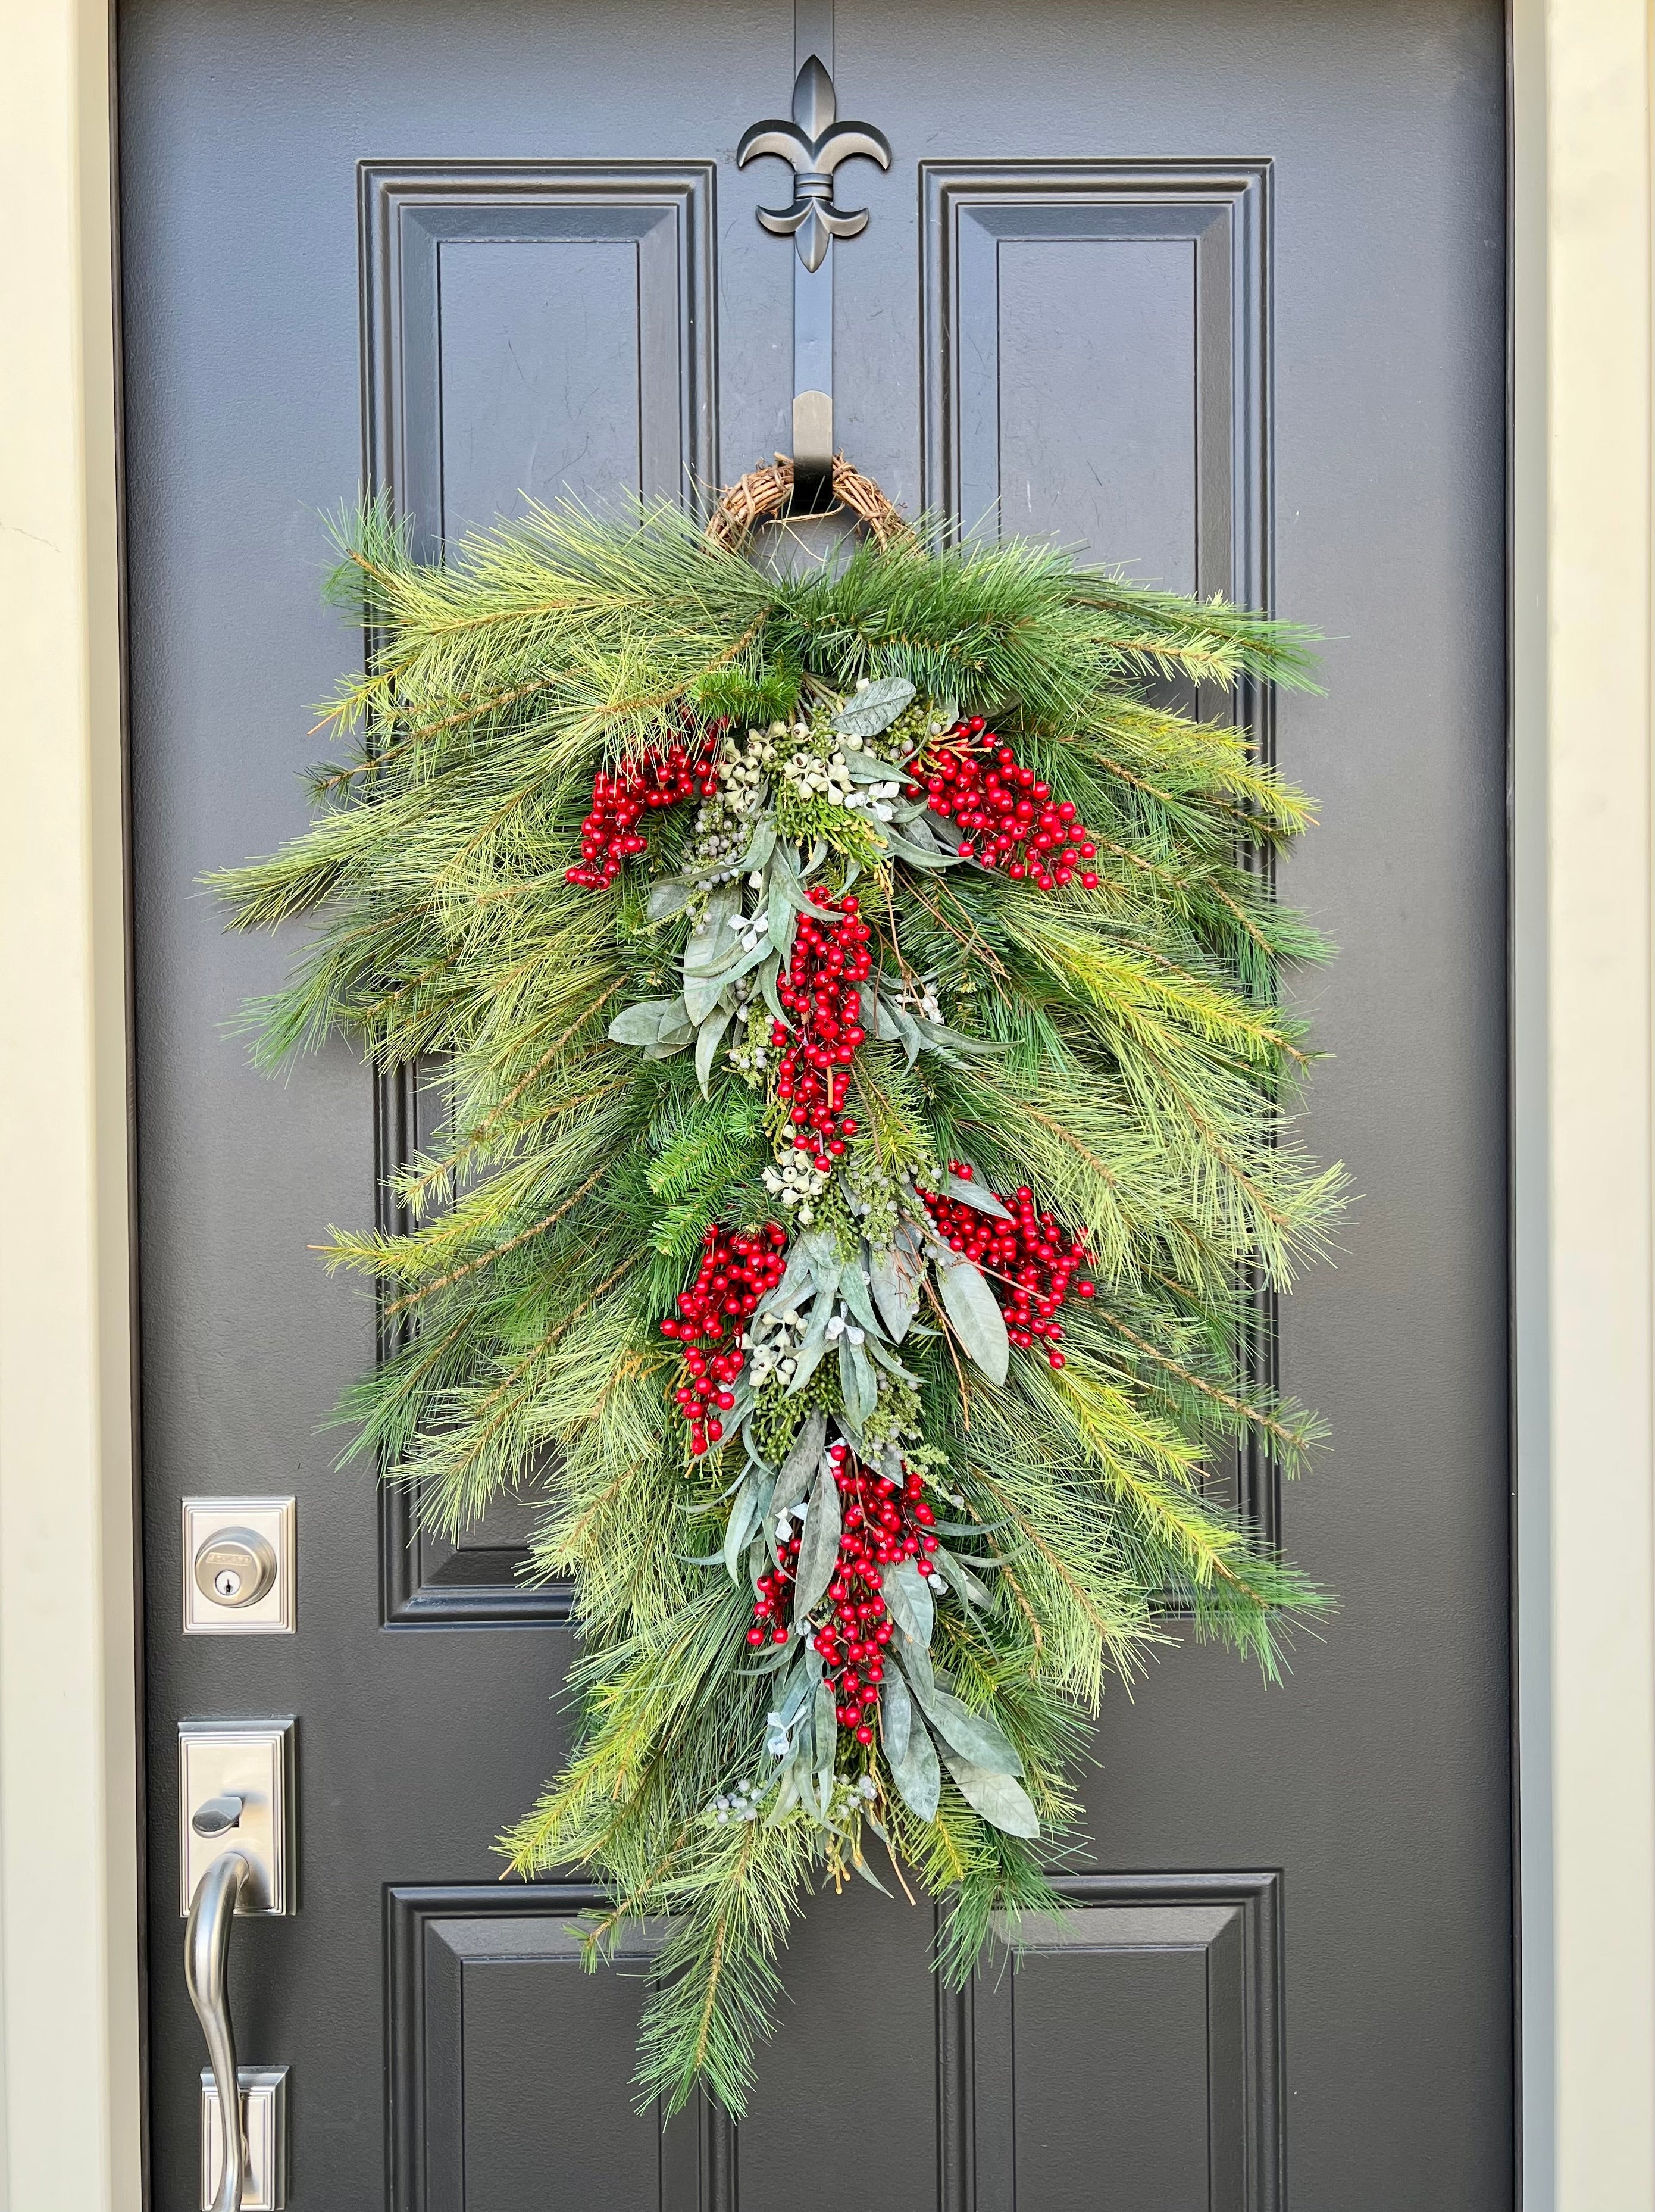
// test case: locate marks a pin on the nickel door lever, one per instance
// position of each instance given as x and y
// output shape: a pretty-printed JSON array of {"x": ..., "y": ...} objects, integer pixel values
[
  {"x": 236, "y": 1860},
  {"x": 206, "y": 1973}
]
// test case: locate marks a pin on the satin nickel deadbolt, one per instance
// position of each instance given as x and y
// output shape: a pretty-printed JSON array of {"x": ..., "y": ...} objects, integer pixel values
[
  {"x": 239, "y": 1565},
  {"x": 235, "y": 1567}
]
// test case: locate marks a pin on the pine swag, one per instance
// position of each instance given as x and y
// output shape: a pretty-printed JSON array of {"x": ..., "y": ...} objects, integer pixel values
[{"x": 856, "y": 999}]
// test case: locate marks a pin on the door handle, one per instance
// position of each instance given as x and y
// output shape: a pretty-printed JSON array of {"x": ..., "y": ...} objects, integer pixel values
[
  {"x": 236, "y": 1860},
  {"x": 206, "y": 1974}
]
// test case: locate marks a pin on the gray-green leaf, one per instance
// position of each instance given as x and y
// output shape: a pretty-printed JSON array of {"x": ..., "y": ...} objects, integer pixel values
[
  {"x": 1002, "y": 1803},
  {"x": 974, "y": 1314},
  {"x": 642, "y": 1023},
  {"x": 978, "y": 1195},
  {"x": 707, "y": 1040},
  {"x": 798, "y": 1469},
  {"x": 973, "y": 1736},
  {"x": 819, "y": 1546},
  {"x": 874, "y": 709},
  {"x": 893, "y": 1275},
  {"x": 669, "y": 896},
  {"x": 913, "y": 1767},
  {"x": 909, "y": 1601}
]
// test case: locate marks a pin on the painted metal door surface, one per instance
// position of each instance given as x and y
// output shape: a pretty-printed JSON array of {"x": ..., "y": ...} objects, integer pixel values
[{"x": 1216, "y": 291}]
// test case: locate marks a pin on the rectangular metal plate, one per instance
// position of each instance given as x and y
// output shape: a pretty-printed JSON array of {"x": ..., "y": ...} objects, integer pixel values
[
  {"x": 275, "y": 1519},
  {"x": 253, "y": 1759},
  {"x": 264, "y": 2116}
]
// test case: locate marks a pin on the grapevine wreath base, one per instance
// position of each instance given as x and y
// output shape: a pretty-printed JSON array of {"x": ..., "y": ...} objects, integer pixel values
[{"x": 856, "y": 997}]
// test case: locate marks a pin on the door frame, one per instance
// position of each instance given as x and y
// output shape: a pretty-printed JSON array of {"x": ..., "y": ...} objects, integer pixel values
[{"x": 1581, "y": 564}]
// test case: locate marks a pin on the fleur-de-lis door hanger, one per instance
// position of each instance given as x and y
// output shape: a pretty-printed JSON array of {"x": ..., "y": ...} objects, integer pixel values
[{"x": 816, "y": 144}]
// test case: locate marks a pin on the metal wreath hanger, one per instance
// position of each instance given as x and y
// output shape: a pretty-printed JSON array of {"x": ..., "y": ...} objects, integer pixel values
[{"x": 815, "y": 143}]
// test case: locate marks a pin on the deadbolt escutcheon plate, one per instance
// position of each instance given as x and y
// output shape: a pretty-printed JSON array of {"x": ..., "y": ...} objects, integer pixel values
[{"x": 239, "y": 1558}]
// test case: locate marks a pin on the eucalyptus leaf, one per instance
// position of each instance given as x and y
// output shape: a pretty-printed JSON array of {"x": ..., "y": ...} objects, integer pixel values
[
  {"x": 908, "y": 1600},
  {"x": 885, "y": 1026},
  {"x": 917, "y": 856},
  {"x": 642, "y": 1023},
  {"x": 708, "y": 1038},
  {"x": 810, "y": 1354},
  {"x": 787, "y": 1796},
  {"x": 973, "y": 1736},
  {"x": 856, "y": 1382},
  {"x": 893, "y": 1275},
  {"x": 669, "y": 1047},
  {"x": 769, "y": 983},
  {"x": 905, "y": 1028},
  {"x": 819, "y": 1546},
  {"x": 895, "y": 1715},
  {"x": 668, "y": 895},
  {"x": 710, "y": 940},
  {"x": 763, "y": 845},
  {"x": 799, "y": 1468},
  {"x": 888, "y": 1360},
  {"x": 853, "y": 1289},
  {"x": 916, "y": 1663},
  {"x": 914, "y": 1769},
  {"x": 1002, "y": 1803},
  {"x": 872, "y": 767},
  {"x": 874, "y": 707},
  {"x": 796, "y": 1279},
  {"x": 827, "y": 1735},
  {"x": 978, "y": 1195},
  {"x": 778, "y": 1657},
  {"x": 960, "y": 1576},
  {"x": 974, "y": 1313},
  {"x": 782, "y": 906}
]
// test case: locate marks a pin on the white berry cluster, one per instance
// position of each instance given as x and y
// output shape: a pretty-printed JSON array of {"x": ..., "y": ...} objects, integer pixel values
[
  {"x": 741, "y": 1803},
  {"x": 723, "y": 828},
  {"x": 819, "y": 775},
  {"x": 770, "y": 1345},
  {"x": 797, "y": 1182}
]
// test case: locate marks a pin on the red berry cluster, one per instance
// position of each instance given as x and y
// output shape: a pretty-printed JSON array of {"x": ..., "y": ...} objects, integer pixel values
[
  {"x": 830, "y": 958},
  {"x": 1010, "y": 820},
  {"x": 1028, "y": 1259},
  {"x": 735, "y": 1273},
  {"x": 608, "y": 836},
  {"x": 881, "y": 1521}
]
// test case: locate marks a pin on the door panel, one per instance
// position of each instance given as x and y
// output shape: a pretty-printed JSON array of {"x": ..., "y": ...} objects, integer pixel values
[{"x": 1218, "y": 294}]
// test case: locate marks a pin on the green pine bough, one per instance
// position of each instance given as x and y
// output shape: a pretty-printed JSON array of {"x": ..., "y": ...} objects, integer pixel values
[{"x": 856, "y": 997}]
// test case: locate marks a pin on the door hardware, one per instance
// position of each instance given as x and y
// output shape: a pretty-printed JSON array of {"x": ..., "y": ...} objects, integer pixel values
[
  {"x": 235, "y": 1567},
  {"x": 235, "y": 1794},
  {"x": 217, "y": 1816},
  {"x": 264, "y": 2131},
  {"x": 815, "y": 143},
  {"x": 239, "y": 1563},
  {"x": 235, "y": 1856},
  {"x": 229, "y": 2182}
]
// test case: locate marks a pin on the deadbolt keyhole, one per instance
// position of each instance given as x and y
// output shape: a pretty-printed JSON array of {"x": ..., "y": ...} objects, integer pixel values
[{"x": 235, "y": 1567}]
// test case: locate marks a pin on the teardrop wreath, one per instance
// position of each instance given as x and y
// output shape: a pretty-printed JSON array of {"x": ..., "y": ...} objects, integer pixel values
[{"x": 857, "y": 999}]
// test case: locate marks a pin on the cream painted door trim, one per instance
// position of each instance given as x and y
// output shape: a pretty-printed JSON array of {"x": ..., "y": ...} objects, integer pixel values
[
  {"x": 1583, "y": 978},
  {"x": 1584, "y": 1117},
  {"x": 70, "y": 2112}
]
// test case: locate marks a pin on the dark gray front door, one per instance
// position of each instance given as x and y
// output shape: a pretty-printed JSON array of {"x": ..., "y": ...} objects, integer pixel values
[{"x": 1218, "y": 289}]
